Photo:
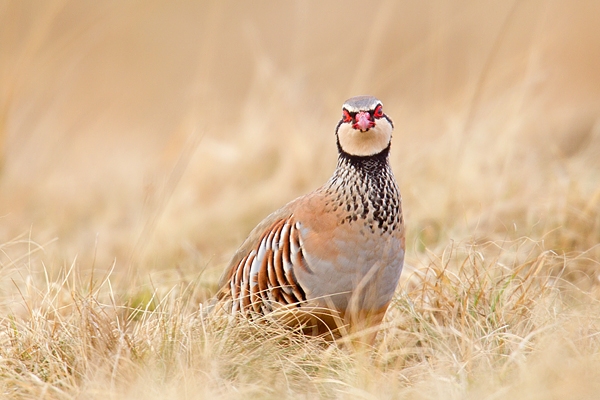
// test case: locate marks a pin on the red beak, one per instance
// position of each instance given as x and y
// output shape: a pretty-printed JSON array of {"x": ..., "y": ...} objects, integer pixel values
[{"x": 363, "y": 121}]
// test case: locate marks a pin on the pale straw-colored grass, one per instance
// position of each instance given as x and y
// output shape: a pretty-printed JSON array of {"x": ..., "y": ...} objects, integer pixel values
[{"x": 471, "y": 321}]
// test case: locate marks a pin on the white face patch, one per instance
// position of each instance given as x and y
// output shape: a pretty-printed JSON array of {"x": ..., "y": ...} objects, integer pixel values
[{"x": 373, "y": 141}]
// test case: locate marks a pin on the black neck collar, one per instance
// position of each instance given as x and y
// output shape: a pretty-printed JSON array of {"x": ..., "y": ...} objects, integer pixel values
[{"x": 380, "y": 158}]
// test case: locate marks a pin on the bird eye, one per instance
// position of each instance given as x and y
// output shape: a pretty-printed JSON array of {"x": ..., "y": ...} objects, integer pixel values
[
  {"x": 378, "y": 113},
  {"x": 346, "y": 117}
]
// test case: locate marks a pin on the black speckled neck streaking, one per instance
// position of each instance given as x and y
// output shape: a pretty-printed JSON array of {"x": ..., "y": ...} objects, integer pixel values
[{"x": 364, "y": 190}]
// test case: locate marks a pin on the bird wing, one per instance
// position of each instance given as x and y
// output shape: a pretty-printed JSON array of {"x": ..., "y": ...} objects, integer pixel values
[{"x": 262, "y": 270}]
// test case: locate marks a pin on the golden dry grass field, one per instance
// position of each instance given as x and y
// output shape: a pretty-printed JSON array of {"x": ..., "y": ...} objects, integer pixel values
[{"x": 141, "y": 141}]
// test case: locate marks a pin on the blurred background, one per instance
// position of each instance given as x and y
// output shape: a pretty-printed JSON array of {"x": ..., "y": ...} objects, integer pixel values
[{"x": 152, "y": 136}]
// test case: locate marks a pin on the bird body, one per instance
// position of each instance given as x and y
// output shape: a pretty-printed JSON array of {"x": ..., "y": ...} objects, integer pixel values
[{"x": 338, "y": 251}]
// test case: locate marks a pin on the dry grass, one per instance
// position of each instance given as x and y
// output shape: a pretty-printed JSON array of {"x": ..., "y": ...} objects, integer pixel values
[
  {"x": 140, "y": 143},
  {"x": 471, "y": 323}
]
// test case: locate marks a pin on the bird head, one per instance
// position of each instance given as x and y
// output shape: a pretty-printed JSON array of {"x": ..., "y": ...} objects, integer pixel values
[{"x": 364, "y": 129}]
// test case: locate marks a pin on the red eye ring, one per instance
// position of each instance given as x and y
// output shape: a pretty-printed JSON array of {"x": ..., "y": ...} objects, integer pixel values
[
  {"x": 378, "y": 113},
  {"x": 346, "y": 117}
]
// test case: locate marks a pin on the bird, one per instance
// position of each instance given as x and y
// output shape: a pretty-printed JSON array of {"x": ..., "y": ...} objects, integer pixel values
[{"x": 332, "y": 258}]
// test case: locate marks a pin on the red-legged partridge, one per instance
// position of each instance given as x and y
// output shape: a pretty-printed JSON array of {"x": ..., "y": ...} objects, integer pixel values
[{"x": 335, "y": 254}]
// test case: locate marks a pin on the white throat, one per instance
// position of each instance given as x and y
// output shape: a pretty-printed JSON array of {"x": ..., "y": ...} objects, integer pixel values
[{"x": 371, "y": 142}]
